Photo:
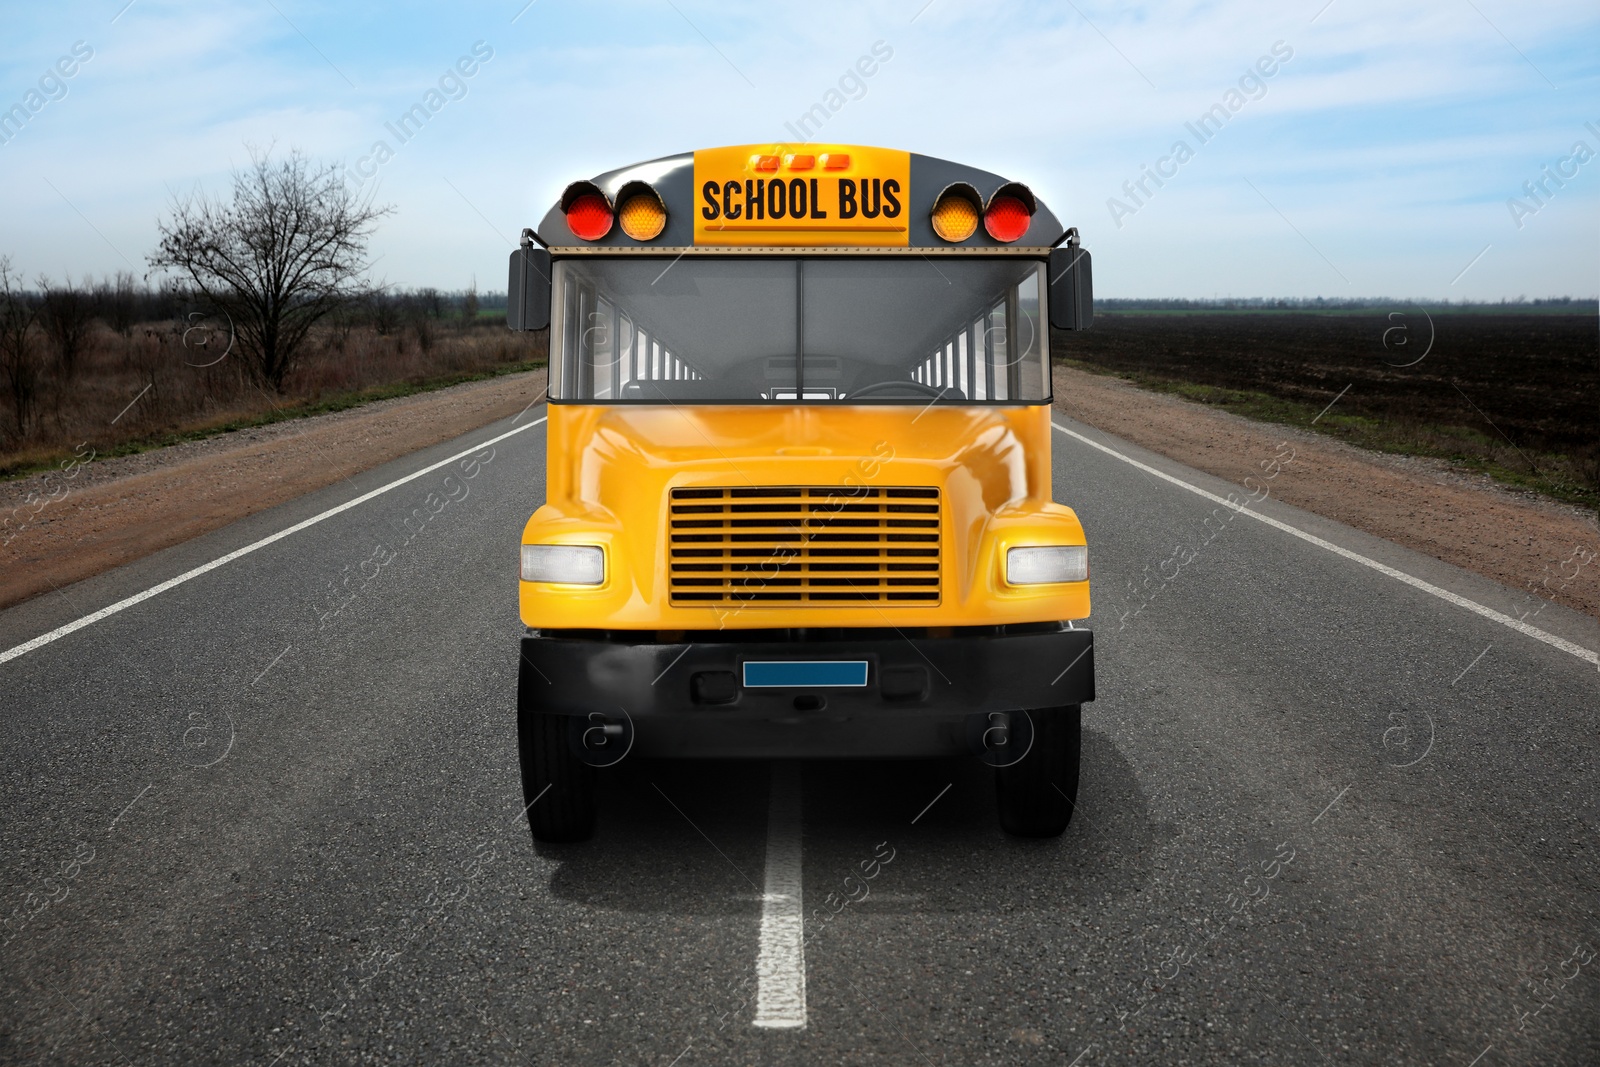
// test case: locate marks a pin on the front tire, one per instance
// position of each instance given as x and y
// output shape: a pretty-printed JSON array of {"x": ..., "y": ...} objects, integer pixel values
[
  {"x": 1038, "y": 794},
  {"x": 557, "y": 786}
]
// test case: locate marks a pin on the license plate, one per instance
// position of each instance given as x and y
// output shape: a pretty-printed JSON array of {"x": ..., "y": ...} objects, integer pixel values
[{"x": 805, "y": 673}]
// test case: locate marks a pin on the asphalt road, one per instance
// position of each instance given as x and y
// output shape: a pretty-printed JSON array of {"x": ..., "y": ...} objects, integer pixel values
[{"x": 1327, "y": 818}]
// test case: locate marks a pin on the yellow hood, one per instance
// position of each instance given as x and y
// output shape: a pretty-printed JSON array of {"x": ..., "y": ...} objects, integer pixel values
[{"x": 613, "y": 468}]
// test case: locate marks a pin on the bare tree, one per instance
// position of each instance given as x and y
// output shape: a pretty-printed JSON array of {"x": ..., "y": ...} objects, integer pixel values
[
  {"x": 432, "y": 300},
  {"x": 66, "y": 314},
  {"x": 469, "y": 304},
  {"x": 383, "y": 307},
  {"x": 424, "y": 307},
  {"x": 287, "y": 251},
  {"x": 117, "y": 302},
  {"x": 19, "y": 363}
]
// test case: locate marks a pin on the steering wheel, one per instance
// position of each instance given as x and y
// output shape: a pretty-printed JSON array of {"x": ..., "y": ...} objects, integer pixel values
[{"x": 907, "y": 383}]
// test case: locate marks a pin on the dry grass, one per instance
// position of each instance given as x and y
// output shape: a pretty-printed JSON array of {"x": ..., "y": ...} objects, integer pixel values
[{"x": 149, "y": 388}]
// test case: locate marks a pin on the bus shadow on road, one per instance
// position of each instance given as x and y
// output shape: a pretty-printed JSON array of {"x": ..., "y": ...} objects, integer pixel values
[{"x": 689, "y": 837}]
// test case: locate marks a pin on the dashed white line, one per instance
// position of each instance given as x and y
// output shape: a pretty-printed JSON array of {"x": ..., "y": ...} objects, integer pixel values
[
  {"x": 781, "y": 962},
  {"x": 222, "y": 561},
  {"x": 1585, "y": 654}
]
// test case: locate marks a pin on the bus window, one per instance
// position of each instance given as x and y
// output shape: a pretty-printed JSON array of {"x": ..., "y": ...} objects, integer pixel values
[{"x": 756, "y": 329}]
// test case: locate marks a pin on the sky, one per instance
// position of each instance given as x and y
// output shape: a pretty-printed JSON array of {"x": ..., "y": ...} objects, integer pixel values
[{"x": 1386, "y": 154}]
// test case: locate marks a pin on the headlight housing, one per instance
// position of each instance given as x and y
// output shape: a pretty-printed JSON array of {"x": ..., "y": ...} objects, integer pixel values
[
  {"x": 564, "y": 564},
  {"x": 1047, "y": 564}
]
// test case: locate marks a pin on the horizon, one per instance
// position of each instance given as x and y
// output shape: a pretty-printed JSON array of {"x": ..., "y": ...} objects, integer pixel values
[{"x": 491, "y": 297}]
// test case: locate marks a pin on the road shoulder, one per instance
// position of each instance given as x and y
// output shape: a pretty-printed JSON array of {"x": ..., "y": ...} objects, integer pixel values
[
  {"x": 1548, "y": 550},
  {"x": 65, "y": 529}
]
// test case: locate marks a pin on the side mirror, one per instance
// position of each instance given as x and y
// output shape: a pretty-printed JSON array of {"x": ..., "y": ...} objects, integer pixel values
[
  {"x": 1071, "y": 286},
  {"x": 528, "y": 289}
]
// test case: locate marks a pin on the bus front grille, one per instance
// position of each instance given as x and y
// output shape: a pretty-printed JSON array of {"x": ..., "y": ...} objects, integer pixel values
[{"x": 816, "y": 545}]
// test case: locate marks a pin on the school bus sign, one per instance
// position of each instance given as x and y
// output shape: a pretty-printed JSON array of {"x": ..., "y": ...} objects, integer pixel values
[{"x": 813, "y": 195}]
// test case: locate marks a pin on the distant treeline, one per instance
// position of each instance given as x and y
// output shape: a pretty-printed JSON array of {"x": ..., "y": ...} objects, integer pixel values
[
  {"x": 122, "y": 301},
  {"x": 1563, "y": 304}
]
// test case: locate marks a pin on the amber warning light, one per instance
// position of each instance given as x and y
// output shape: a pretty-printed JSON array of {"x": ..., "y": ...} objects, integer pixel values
[
  {"x": 955, "y": 216},
  {"x": 642, "y": 215}
]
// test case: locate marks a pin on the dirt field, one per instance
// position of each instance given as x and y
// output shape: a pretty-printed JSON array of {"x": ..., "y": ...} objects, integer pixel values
[{"x": 1515, "y": 395}]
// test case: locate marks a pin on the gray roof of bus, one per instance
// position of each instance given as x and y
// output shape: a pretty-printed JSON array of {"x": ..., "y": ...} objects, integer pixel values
[{"x": 672, "y": 177}]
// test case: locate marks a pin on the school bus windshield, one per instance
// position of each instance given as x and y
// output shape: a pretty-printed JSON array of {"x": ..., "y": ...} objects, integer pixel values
[{"x": 754, "y": 329}]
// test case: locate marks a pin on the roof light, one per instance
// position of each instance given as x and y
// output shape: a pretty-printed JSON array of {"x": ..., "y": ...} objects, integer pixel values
[
  {"x": 955, "y": 217},
  {"x": 642, "y": 216},
  {"x": 764, "y": 163},
  {"x": 589, "y": 216},
  {"x": 799, "y": 162},
  {"x": 1007, "y": 218},
  {"x": 835, "y": 160}
]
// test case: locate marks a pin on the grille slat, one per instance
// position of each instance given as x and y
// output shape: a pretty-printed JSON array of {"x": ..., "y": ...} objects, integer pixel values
[{"x": 786, "y": 545}]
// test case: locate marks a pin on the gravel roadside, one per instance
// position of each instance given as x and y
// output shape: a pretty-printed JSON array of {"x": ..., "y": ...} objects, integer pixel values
[
  {"x": 67, "y": 526},
  {"x": 1517, "y": 538}
]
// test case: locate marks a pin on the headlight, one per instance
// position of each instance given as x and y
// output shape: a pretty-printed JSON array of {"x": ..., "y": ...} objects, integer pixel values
[
  {"x": 567, "y": 564},
  {"x": 1055, "y": 563}
]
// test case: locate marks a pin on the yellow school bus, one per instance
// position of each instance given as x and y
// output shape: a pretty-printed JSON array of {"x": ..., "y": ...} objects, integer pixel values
[{"x": 798, "y": 498}]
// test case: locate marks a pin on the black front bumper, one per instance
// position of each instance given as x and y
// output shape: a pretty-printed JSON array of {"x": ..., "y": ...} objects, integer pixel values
[{"x": 926, "y": 693}]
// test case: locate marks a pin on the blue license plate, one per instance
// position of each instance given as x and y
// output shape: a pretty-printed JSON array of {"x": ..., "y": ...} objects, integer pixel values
[{"x": 805, "y": 673}]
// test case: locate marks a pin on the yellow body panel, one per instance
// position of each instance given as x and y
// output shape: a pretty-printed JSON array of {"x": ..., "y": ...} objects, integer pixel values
[
  {"x": 864, "y": 203},
  {"x": 612, "y": 467}
]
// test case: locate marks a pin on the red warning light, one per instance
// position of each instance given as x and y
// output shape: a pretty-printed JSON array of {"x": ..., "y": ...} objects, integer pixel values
[
  {"x": 1007, "y": 218},
  {"x": 589, "y": 217}
]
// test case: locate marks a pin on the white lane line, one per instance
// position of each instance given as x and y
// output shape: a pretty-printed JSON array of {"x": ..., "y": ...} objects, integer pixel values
[
  {"x": 221, "y": 561},
  {"x": 781, "y": 963},
  {"x": 1587, "y": 655}
]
